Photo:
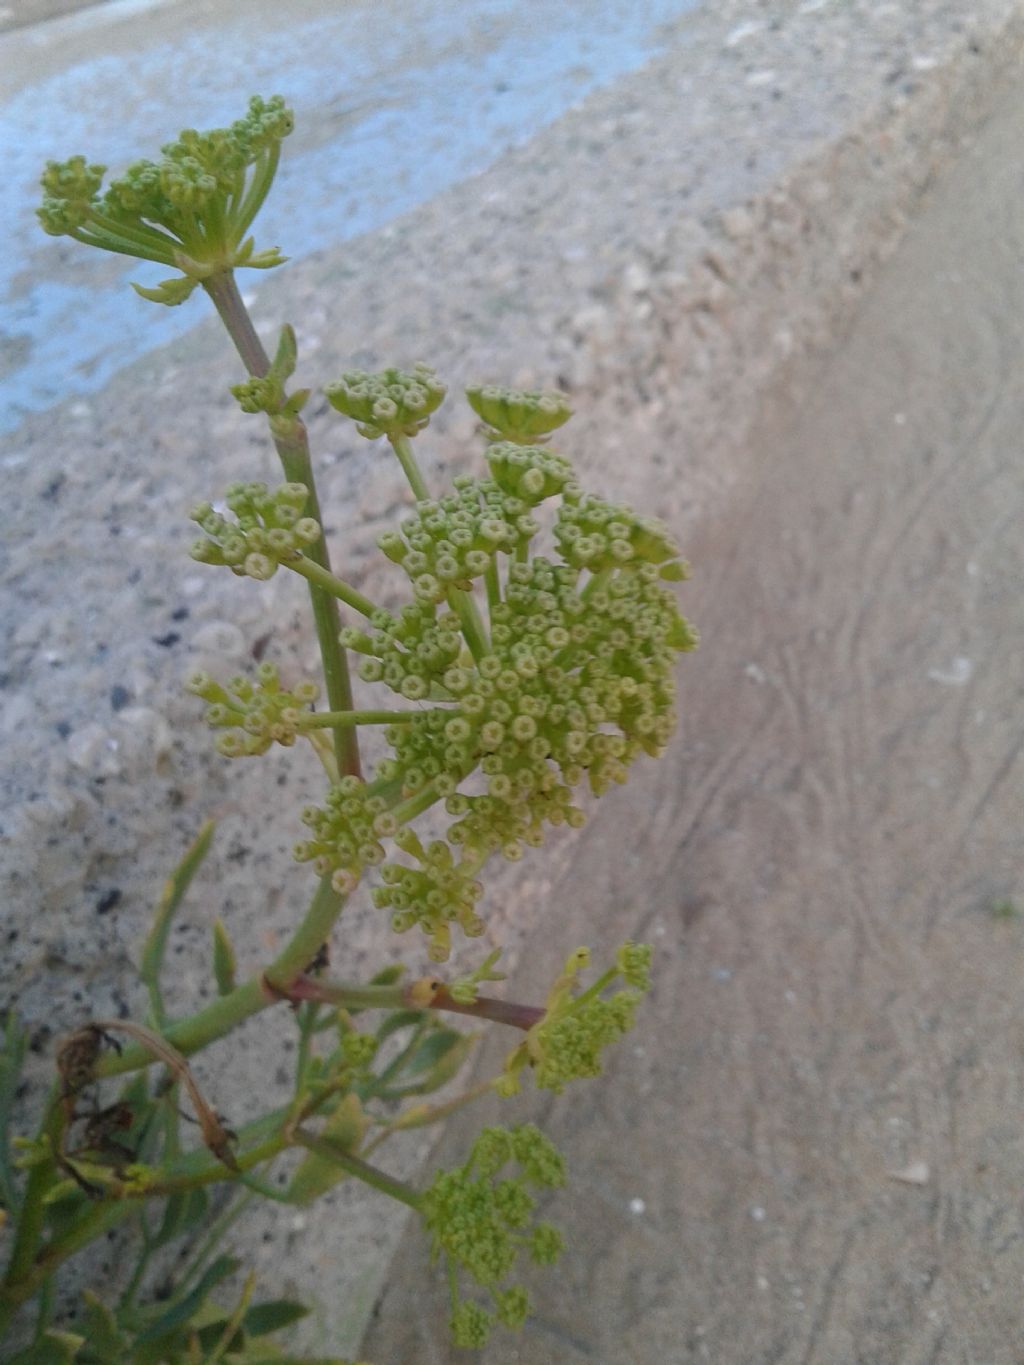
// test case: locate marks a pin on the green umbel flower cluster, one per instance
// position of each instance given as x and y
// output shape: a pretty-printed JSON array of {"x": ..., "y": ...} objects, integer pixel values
[
  {"x": 449, "y": 543},
  {"x": 433, "y": 894},
  {"x": 567, "y": 1043},
  {"x": 598, "y": 535},
  {"x": 347, "y": 832},
  {"x": 523, "y": 416},
  {"x": 255, "y": 715},
  {"x": 573, "y": 688},
  {"x": 268, "y": 529},
  {"x": 345, "y": 839},
  {"x": 190, "y": 210},
  {"x": 392, "y": 403},
  {"x": 482, "y": 1224},
  {"x": 530, "y": 472},
  {"x": 571, "y": 679}
]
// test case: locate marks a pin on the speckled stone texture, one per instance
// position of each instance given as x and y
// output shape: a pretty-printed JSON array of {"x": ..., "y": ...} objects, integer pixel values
[{"x": 668, "y": 252}]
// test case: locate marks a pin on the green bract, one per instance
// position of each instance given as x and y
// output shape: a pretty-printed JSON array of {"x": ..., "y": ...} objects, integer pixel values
[{"x": 190, "y": 210}]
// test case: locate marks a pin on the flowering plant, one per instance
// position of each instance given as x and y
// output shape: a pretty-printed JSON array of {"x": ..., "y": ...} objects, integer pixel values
[{"x": 533, "y": 658}]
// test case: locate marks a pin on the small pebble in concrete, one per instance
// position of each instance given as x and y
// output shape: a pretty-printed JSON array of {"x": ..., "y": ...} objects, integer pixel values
[
  {"x": 917, "y": 1173},
  {"x": 958, "y": 673}
]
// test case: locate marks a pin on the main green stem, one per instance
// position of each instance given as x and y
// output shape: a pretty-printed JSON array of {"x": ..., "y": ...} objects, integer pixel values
[
  {"x": 292, "y": 444},
  {"x": 224, "y": 1014}
]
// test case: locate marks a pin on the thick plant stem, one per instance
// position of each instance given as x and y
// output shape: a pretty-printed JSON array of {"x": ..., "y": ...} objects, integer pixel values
[
  {"x": 310, "y": 936},
  {"x": 293, "y": 447},
  {"x": 486, "y": 1007},
  {"x": 417, "y": 995},
  {"x": 93, "y": 1225},
  {"x": 469, "y": 618},
  {"x": 224, "y": 1014},
  {"x": 221, "y": 1016},
  {"x": 29, "y": 1228},
  {"x": 284, "y": 979}
]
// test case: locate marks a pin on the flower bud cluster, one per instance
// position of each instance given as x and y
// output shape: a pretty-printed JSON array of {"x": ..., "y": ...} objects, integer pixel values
[
  {"x": 597, "y": 535},
  {"x": 197, "y": 168},
  {"x": 346, "y": 833},
  {"x": 358, "y": 1049},
  {"x": 259, "y": 394},
  {"x": 70, "y": 189},
  {"x": 522, "y": 416},
  {"x": 530, "y": 472},
  {"x": 268, "y": 529},
  {"x": 450, "y": 542},
  {"x": 567, "y": 1043},
  {"x": 392, "y": 403},
  {"x": 433, "y": 894},
  {"x": 254, "y": 714},
  {"x": 190, "y": 210},
  {"x": 482, "y": 1224},
  {"x": 410, "y": 652}
]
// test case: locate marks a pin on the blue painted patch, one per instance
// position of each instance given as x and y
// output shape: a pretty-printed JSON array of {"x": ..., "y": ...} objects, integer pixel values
[{"x": 393, "y": 105}]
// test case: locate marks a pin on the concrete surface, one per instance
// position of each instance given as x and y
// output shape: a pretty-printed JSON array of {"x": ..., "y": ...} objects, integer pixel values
[
  {"x": 813, "y": 1153},
  {"x": 674, "y": 250}
]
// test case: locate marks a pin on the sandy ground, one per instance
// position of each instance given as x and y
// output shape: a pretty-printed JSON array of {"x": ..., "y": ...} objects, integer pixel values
[{"x": 813, "y": 1153}]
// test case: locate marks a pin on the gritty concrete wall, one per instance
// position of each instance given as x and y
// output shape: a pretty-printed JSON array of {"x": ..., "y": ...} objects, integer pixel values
[{"x": 665, "y": 252}]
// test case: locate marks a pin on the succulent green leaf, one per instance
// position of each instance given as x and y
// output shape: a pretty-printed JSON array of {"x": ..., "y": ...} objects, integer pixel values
[
  {"x": 52, "y": 1348},
  {"x": 185, "y": 1308},
  {"x": 441, "y": 1057},
  {"x": 272, "y": 1316},
  {"x": 183, "y": 1213},
  {"x": 172, "y": 895},
  {"x": 316, "y": 1174},
  {"x": 224, "y": 962},
  {"x": 105, "y": 1339},
  {"x": 287, "y": 354}
]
